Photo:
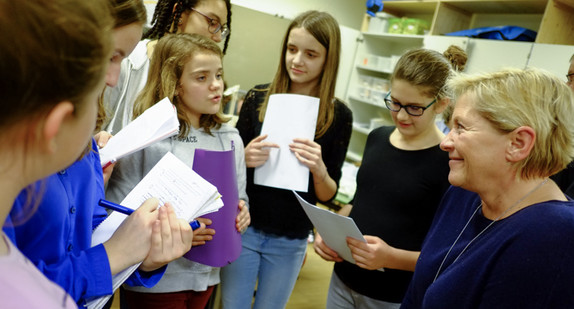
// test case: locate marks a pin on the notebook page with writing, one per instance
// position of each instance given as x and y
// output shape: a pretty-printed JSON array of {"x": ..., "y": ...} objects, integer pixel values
[{"x": 170, "y": 180}]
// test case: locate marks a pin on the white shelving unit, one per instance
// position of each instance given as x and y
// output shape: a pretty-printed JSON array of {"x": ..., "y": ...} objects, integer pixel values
[{"x": 369, "y": 83}]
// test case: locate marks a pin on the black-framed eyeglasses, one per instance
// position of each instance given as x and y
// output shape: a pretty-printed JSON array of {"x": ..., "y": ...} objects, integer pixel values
[
  {"x": 213, "y": 25},
  {"x": 412, "y": 110},
  {"x": 569, "y": 77}
]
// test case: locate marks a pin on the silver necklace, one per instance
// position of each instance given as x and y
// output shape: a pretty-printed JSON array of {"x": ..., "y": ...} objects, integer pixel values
[{"x": 481, "y": 232}]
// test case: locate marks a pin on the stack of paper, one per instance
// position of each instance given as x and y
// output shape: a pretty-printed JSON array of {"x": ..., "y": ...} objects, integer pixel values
[
  {"x": 156, "y": 123},
  {"x": 170, "y": 180}
]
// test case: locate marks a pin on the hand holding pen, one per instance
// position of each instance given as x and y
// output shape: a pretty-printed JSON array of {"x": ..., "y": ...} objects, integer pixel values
[
  {"x": 128, "y": 211},
  {"x": 151, "y": 235}
]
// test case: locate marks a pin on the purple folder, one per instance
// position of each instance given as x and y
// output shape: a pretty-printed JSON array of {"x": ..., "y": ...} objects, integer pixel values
[{"x": 218, "y": 167}]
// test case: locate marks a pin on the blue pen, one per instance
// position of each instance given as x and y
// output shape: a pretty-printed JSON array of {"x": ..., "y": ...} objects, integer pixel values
[{"x": 128, "y": 211}]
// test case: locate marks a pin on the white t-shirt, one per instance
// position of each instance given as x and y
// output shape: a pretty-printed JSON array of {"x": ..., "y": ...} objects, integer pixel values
[{"x": 22, "y": 285}]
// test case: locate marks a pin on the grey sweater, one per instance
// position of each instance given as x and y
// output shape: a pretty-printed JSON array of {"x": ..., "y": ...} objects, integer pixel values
[{"x": 181, "y": 274}]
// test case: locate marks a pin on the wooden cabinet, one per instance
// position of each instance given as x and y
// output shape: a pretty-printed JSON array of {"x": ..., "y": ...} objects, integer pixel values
[{"x": 552, "y": 19}]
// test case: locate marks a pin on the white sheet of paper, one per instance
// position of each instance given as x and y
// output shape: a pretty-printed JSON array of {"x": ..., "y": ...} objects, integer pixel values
[
  {"x": 156, "y": 123},
  {"x": 333, "y": 228},
  {"x": 170, "y": 180},
  {"x": 288, "y": 116}
]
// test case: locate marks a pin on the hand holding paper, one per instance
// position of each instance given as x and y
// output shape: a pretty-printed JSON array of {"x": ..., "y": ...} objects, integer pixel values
[
  {"x": 156, "y": 123},
  {"x": 288, "y": 116},
  {"x": 257, "y": 151},
  {"x": 333, "y": 228}
]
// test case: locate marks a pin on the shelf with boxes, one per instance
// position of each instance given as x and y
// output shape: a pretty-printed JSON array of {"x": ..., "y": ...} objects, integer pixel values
[
  {"x": 378, "y": 50},
  {"x": 552, "y": 19}
]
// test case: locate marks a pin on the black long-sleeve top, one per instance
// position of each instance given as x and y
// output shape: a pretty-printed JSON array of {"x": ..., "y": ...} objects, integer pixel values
[
  {"x": 277, "y": 211},
  {"x": 398, "y": 192}
]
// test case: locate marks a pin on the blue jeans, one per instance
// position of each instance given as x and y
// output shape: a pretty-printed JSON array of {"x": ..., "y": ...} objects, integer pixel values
[
  {"x": 340, "y": 296},
  {"x": 271, "y": 261}
]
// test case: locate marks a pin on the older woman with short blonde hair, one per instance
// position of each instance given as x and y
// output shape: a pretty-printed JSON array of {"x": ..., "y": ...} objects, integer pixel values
[{"x": 504, "y": 234}]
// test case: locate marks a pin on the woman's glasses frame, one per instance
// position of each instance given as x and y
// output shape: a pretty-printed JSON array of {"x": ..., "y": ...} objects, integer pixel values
[{"x": 213, "y": 25}]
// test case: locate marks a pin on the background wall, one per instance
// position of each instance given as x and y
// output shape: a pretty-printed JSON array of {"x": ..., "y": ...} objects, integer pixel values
[
  {"x": 255, "y": 46},
  {"x": 349, "y": 13},
  {"x": 258, "y": 28},
  {"x": 253, "y": 54}
]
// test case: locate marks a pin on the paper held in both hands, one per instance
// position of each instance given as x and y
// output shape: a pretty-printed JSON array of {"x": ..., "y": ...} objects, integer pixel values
[
  {"x": 288, "y": 116},
  {"x": 156, "y": 123},
  {"x": 170, "y": 180},
  {"x": 333, "y": 228}
]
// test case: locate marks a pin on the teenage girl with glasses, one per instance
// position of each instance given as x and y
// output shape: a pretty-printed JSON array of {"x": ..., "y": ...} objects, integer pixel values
[{"x": 402, "y": 178}]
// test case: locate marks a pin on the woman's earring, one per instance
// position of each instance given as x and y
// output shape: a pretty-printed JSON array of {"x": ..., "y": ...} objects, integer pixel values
[{"x": 179, "y": 21}]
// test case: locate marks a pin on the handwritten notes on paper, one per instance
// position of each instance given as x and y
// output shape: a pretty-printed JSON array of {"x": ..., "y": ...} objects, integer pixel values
[
  {"x": 170, "y": 180},
  {"x": 288, "y": 116}
]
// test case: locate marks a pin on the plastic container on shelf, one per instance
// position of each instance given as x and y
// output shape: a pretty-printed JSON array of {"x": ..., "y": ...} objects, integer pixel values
[
  {"x": 384, "y": 63},
  {"x": 381, "y": 84},
  {"x": 364, "y": 93},
  {"x": 365, "y": 81},
  {"x": 370, "y": 61},
  {"x": 375, "y": 62},
  {"x": 379, "y": 23},
  {"x": 378, "y": 97}
]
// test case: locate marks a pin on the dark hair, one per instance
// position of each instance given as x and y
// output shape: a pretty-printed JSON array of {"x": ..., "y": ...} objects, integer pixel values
[
  {"x": 124, "y": 12},
  {"x": 55, "y": 50},
  {"x": 456, "y": 56},
  {"x": 127, "y": 12},
  {"x": 168, "y": 12},
  {"x": 428, "y": 69}
]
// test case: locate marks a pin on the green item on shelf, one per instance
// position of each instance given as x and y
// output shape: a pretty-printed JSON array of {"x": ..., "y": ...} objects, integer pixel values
[
  {"x": 395, "y": 25},
  {"x": 414, "y": 26}
]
